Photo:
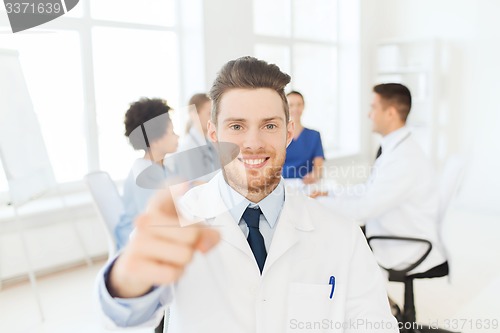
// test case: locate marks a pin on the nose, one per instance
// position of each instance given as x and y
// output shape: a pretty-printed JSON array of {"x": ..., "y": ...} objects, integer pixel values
[{"x": 253, "y": 139}]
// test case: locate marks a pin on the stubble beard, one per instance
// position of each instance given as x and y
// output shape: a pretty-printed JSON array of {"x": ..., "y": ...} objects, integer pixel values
[{"x": 254, "y": 185}]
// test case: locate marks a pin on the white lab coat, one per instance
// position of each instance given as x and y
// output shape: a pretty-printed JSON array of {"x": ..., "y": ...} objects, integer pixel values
[
  {"x": 399, "y": 199},
  {"x": 224, "y": 292}
]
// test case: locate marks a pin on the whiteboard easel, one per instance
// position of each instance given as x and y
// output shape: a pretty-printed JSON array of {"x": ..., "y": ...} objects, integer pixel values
[{"x": 22, "y": 150}]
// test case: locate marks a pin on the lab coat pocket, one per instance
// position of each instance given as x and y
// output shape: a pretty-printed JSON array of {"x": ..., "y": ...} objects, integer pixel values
[{"x": 309, "y": 307}]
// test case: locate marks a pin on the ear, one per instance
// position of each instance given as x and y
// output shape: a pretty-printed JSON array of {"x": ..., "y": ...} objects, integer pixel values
[
  {"x": 397, "y": 117},
  {"x": 392, "y": 112},
  {"x": 212, "y": 131},
  {"x": 289, "y": 131}
]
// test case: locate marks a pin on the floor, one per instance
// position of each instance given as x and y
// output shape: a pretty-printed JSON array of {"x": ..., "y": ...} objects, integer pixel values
[
  {"x": 469, "y": 299},
  {"x": 67, "y": 300},
  {"x": 469, "y": 302}
]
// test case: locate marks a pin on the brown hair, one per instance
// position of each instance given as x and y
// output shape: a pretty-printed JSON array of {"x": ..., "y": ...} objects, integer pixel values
[
  {"x": 397, "y": 95},
  {"x": 248, "y": 73},
  {"x": 197, "y": 100},
  {"x": 295, "y": 92}
]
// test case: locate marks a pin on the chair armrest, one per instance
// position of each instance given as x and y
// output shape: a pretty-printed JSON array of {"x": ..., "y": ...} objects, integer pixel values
[{"x": 400, "y": 274}]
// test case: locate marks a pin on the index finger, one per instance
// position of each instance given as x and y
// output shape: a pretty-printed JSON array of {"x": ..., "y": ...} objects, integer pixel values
[
  {"x": 165, "y": 202},
  {"x": 166, "y": 205}
]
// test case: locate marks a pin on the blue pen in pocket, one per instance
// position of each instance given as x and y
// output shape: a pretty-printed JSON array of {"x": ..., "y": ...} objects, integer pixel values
[{"x": 332, "y": 282}]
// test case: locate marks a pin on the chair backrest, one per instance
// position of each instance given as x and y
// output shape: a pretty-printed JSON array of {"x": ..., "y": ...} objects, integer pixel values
[
  {"x": 108, "y": 202},
  {"x": 449, "y": 182}
]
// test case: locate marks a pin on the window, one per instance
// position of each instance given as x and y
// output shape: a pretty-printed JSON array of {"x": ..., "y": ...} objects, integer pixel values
[
  {"x": 129, "y": 64},
  {"x": 82, "y": 71},
  {"x": 52, "y": 70},
  {"x": 153, "y": 12},
  {"x": 312, "y": 40}
]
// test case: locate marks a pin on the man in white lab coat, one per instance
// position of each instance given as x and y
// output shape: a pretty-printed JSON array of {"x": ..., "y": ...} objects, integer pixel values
[
  {"x": 262, "y": 258},
  {"x": 400, "y": 198}
]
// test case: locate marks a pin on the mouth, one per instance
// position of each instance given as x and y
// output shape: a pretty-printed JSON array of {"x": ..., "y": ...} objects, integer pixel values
[{"x": 253, "y": 162}]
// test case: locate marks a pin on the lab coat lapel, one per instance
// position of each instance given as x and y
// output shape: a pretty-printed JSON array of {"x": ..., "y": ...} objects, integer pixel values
[
  {"x": 231, "y": 233},
  {"x": 201, "y": 203},
  {"x": 293, "y": 219}
]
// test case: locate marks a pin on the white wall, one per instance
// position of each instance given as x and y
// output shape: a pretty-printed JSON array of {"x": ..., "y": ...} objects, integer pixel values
[
  {"x": 228, "y": 33},
  {"x": 191, "y": 47},
  {"x": 469, "y": 33},
  {"x": 51, "y": 236}
]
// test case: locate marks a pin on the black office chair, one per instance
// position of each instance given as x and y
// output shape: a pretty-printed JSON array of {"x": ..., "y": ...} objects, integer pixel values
[
  {"x": 450, "y": 180},
  {"x": 408, "y": 317}
]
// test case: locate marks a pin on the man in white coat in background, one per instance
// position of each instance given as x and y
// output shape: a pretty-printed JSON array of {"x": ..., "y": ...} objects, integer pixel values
[
  {"x": 262, "y": 258},
  {"x": 400, "y": 198}
]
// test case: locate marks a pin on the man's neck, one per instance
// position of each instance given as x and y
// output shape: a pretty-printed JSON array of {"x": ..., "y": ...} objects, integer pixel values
[
  {"x": 256, "y": 195},
  {"x": 392, "y": 129}
]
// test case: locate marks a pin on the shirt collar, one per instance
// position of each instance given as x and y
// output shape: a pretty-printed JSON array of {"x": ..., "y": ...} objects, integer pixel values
[
  {"x": 270, "y": 206},
  {"x": 391, "y": 140}
]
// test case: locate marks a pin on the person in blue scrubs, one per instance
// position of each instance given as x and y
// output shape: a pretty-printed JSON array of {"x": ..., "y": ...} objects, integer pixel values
[
  {"x": 148, "y": 127},
  {"x": 304, "y": 155}
]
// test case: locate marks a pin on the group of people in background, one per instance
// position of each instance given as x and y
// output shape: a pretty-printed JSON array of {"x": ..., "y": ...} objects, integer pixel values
[
  {"x": 400, "y": 197},
  {"x": 254, "y": 255},
  {"x": 149, "y": 121}
]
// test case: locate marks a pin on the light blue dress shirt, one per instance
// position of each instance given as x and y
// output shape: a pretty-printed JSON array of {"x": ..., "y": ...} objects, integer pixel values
[
  {"x": 126, "y": 312},
  {"x": 270, "y": 206}
]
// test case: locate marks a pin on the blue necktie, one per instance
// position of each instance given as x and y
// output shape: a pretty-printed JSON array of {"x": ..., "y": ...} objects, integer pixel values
[
  {"x": 251, "y": 217},
  {"x": 379, "y": 152}
]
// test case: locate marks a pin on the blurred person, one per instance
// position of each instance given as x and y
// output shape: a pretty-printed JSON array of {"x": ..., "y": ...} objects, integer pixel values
[
  {"x": 304, "y": 155},
  {"x": 149, "y": 128},
  {"x": 199, "y": 115},
  {"x": 400, "y": 198},
  {"x": 201, "y": 160}
]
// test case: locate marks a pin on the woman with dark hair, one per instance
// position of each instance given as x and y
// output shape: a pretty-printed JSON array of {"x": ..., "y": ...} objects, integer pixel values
[{"x": 148, "y": 127}]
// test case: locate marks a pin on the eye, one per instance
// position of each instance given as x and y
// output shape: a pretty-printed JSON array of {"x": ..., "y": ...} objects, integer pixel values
[
  {"x": 271, "y": 126},
  {"x": 235, "y": 127}
]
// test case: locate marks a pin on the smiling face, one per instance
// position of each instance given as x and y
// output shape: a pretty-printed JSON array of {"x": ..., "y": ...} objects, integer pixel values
[{"x": 253, "y": 119}]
